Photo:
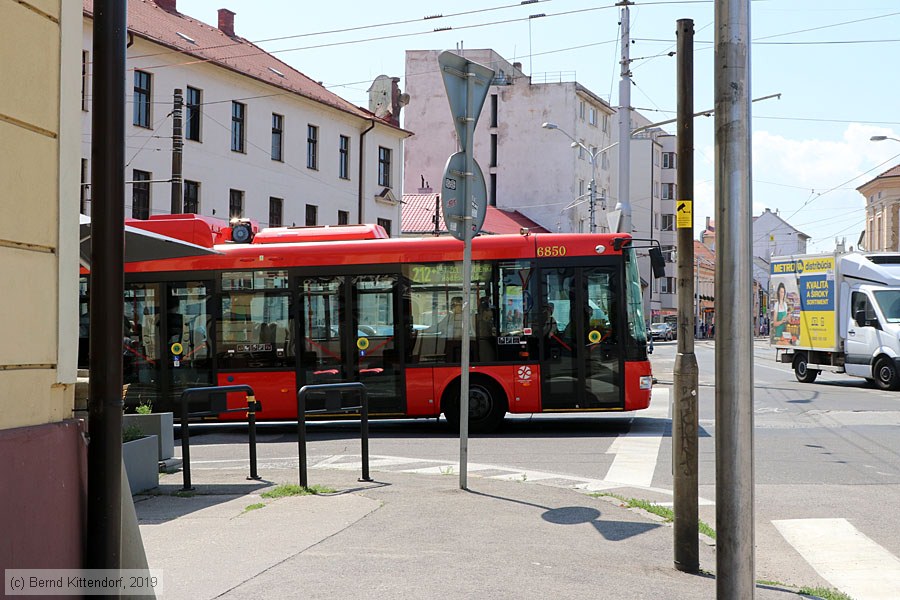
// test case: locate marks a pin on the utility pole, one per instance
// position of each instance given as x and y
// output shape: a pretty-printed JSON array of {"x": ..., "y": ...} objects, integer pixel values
[
  {"x": 684, "y": 411},
  {"x": 735, "y": 559},
  {"x": 177, "y": 146},
  {"x": 623, "y": 206},
  {"x": 104, "y": 493}
]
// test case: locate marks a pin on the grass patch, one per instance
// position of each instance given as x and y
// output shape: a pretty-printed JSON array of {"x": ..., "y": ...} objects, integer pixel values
[
  {"x": 825, "y": 593},
  {"x": 185, "y": 493},
  {"x": 256, "y": 506},
  {"x": 665, "y": 512},
  {"x": 289, "y": 489}
]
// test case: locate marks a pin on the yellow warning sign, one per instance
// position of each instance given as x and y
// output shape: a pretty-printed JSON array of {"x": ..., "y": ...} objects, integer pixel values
[
  {"x": 362, "y": 343},
  {"x": 684, "y": 214},
  {"x": 177, "y": 348}
]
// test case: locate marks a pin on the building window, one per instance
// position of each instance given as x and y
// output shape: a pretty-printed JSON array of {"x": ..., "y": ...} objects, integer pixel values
[
  {"x": 312, "y": 215},
  {"x": 344, "y": 157},
  {"x": 85, "y": 61},
  {"x": 656, "y": 158},
  {"x": 581, "y": 150},
  {"x": 386, "y": 223},
  {"x": 191, "y": 197},
  {"x": 192, "y": 116},
  {"x": 493, "y": 149},
  {"x": 142, "y": 99},
  {"x": 312, "y": 147},
  {"x": 592, "y": 116},
  {"x": 140, "y": 195},
  {"x": 668, "y": 191},
  {"x": 238, "y": 115},
  {"x": 581, "y": 107},
  {"x": 276, "y": 211},
  {"x": 495, "y": 105},
  {"x": 492, "y": 201},
  {"x": 668, "y": 223},
  {"x": 343, "y": 217},
  {"x": 277, "y": 130},
  {"x": 580, "y": 188},
  {"x": 668, "y": 159},
  {"x": 235, "y": 204},
  {"x": 84, "y": 186},
  {"x": 667, "y": 285},
  {"x": 604, "y": 160},
  {"x": 605, "y": 123},
  {"x": 668, "y": 253},
  {"x": 384, "y": 166}
]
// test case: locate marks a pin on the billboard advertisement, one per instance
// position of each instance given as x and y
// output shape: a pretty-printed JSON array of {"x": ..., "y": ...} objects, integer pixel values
[{"x": 802, "y": 302}]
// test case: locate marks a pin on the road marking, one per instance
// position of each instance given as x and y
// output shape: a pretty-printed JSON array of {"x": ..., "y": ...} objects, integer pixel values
[
  {"x": 845, "y": 557},
  {"x": 636, "y": 455}
]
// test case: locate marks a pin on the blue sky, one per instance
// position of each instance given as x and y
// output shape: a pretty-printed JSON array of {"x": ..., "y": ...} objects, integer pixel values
[{"x": 833, "y": 62}]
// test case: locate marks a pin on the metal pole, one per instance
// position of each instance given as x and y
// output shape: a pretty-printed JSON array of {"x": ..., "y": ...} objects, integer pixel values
[
  {"x": 684, "y": 413},
  {"x": 177, "y": 146},
  {"x": 301, "y": 436},
  {"x": 624, "y": 202},
  {"x": 185, "y": 446},
  {"x": 735, "y": 559},
  {"x": 251, "y": 427},
  {"x": 364, "y": 434},
  {"x": 593, "y": 187},
  {"x": 104, "y": 502},
  {"x": 467, "y": 196}
]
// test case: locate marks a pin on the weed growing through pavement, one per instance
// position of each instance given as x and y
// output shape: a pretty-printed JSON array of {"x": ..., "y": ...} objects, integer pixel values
[
  {"x": 289, "y": 489},
  {"x": 662, "y": 511},
  {"x": 256, "y": 506}
]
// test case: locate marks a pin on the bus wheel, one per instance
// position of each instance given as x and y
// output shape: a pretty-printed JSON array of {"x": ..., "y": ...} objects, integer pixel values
[
  {"x": 487, "y": 406},
  {"x": 886, "y": 374},
  {"x": 802, "y": 371}
]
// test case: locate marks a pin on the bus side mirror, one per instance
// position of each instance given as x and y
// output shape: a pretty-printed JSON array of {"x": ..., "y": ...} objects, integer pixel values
[{"x": 657, "y": 263}]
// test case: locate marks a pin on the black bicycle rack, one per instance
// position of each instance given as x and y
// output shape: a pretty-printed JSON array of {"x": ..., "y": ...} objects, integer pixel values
[
  {"x": 213, "y": 401},
  {"x": 333, "y": 404}
]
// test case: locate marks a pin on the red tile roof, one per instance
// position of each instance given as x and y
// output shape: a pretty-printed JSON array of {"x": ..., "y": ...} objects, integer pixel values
[
  {"x": 419, "y": 209},
  {"x": 148, "y": 20},
  {"x": 892, "y": 172}
]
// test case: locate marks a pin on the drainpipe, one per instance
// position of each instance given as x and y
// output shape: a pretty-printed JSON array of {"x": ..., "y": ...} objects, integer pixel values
[{"x": 362, "y": 154}]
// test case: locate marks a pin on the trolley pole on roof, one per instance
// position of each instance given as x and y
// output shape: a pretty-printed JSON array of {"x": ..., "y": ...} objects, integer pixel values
[
  {"x": 735, "y": 559},
  {"x": 684, "y": 410}
]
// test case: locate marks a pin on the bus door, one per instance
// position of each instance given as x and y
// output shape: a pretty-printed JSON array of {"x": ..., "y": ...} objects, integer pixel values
[
  {"x": 347, "y": 330},
  {"x": 166, "y": 348},
  {"x": 581, "y": 356}
]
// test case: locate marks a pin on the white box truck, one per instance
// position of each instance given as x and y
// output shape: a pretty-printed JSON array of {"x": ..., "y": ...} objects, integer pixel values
[{"x": 837, "y": 312}]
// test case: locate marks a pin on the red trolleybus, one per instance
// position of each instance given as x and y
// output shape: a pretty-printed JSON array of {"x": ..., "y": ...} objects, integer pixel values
[{"x": 557, "y": 323}]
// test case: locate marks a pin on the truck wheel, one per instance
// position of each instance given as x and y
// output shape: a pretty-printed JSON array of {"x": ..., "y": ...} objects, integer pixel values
[
  {"x": 886, "y": 374},
  {"x": 802, "y": 371}
]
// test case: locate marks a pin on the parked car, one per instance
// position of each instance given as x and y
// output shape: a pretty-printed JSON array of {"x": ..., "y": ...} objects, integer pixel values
[{"x": 662, "y": 331}]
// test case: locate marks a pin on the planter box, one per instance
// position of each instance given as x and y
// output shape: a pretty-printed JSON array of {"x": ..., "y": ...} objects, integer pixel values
[
  {"x": 141, "y": 463},
  {"x": 159, "y": 424}
]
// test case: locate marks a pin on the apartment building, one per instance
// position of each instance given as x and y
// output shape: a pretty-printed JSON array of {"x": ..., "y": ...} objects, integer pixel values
[
  {"x": 261, "y": 140},
  {"x": 527, "y": 168},
  {"x": 882, "y": 196}
]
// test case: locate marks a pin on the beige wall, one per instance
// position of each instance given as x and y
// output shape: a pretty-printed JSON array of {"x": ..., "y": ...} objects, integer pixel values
[{"x": 40, "y": 88}]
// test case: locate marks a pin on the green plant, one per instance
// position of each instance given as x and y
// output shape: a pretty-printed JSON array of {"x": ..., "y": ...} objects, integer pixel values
[
  {"x": 289, "y": 489},
  {"x": 256, "y": 506},
  {"x": 144, "y": 408},
  {"x": 184, "y": 493},
  {"x": 662, "y": 511},
  {"x": 131, "y": 433},
  {"x": 825, "y": 593}
]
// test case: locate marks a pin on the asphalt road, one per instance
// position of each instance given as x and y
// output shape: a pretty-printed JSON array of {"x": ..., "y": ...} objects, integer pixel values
[{"x": 827, "y": 463}]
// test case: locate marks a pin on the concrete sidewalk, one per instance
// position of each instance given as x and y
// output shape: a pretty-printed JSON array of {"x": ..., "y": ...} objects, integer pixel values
[{"x": 409, "y": 536}]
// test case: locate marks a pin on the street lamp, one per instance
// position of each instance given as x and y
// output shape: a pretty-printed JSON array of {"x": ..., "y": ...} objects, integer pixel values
[
  {"x": 593, "y": 157},
  {"x": 881, "y": 138}
]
